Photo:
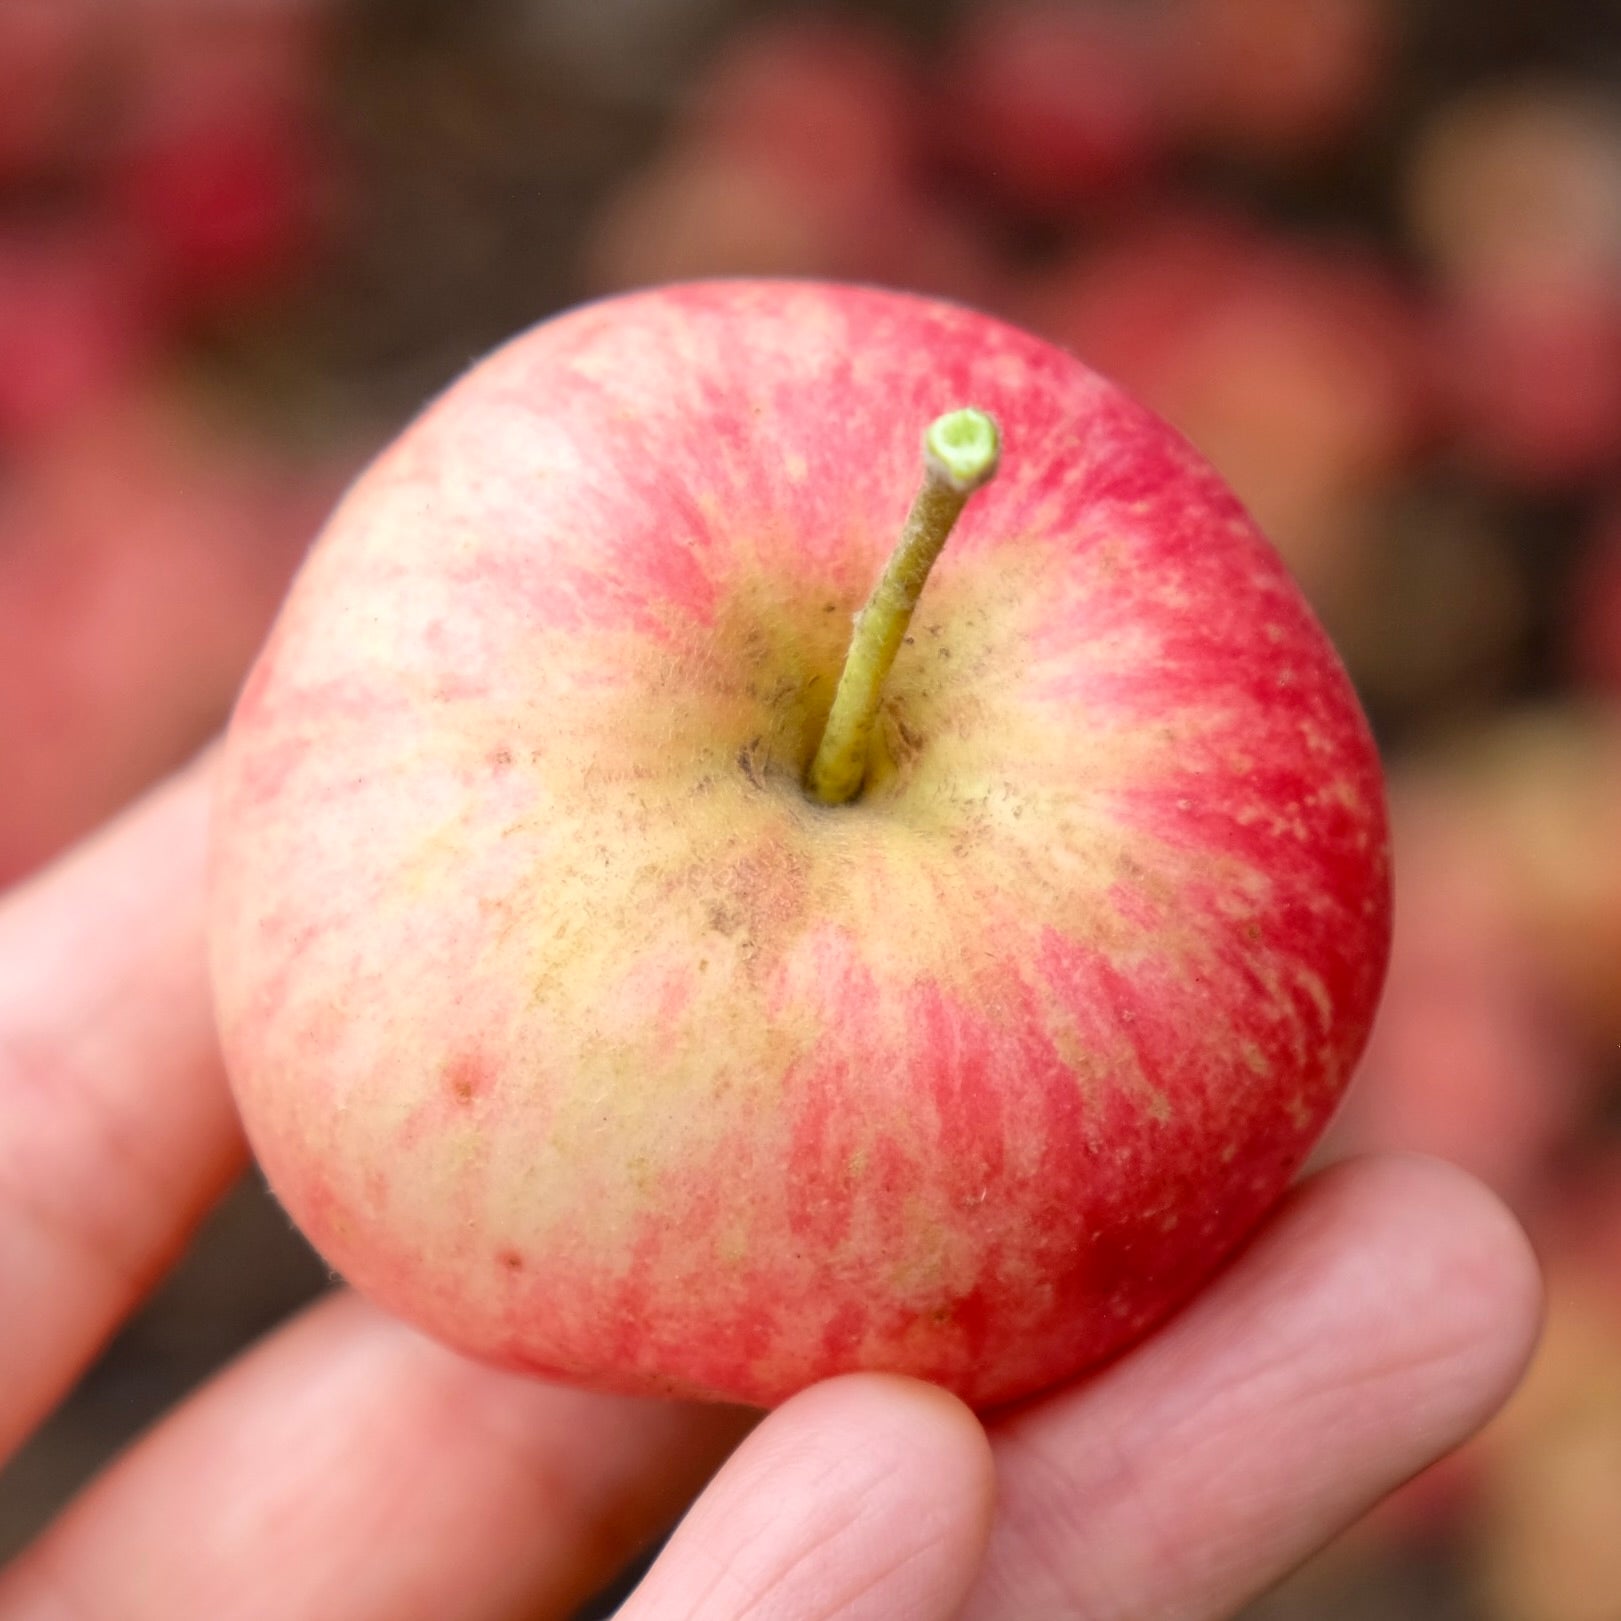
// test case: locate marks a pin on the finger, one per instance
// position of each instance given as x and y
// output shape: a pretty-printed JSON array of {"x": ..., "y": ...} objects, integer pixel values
[
  {"x": 867, "y": 1497},
  {"x": 1386, "y": 1313},
  {"x": 116, "y": 1132},
  {"x": 349, "y": 1467}
]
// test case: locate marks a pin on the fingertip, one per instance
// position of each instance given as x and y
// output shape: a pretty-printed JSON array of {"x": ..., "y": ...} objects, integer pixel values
[
  {"x": 919, "y": 1427},
  {"x": 868, "y": 1495},
  {"x": 893, "y": 1402},
  {"x": 1453, "y": 1239}
]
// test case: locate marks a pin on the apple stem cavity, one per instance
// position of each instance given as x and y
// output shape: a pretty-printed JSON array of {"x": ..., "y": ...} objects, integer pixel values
[{"x": 961, "y": 452}]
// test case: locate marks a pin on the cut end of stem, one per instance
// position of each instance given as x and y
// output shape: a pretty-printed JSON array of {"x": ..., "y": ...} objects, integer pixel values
[
  {"x": 964, "y": 448},
  {"x": 961, "y": 451}
]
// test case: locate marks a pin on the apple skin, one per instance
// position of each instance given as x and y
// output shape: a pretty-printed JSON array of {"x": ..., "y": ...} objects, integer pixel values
[{"x": 566, "y": 1026}]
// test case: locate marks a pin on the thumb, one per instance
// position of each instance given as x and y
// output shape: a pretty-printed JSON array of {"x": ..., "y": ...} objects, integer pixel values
[{"x": 865, "y": 1497}]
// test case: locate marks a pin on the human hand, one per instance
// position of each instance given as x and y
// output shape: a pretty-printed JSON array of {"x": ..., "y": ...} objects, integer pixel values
[{"x": 349, "y": 1470}]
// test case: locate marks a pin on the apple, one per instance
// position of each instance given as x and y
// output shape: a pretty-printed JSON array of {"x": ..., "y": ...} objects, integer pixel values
[
  {"x": 1473, "y": 1059},
  {"x": 570, "y": 1023},
  {"x": 227, "y": 197},
  {"x": 1290, "y": 364},
  {"x": 223, "y": 165},
  {"x": 78, "y": 321},
  {"x": 1051, "y": 107},
  {"x": 1549, "y": 781},
  {"x": 707, "y": 209},
  {"x": 830, "y": 97},
  {"x": 1277, "y": 80},
  {"x": 1517, "y": 182},
  {"x": 1559, "y": 426},
  {"x": 143, "y": 550},
  {"x": 796, "y": 156},
  {"x": 1513, "y": 194},
  {"x": 47, "y": 54}
]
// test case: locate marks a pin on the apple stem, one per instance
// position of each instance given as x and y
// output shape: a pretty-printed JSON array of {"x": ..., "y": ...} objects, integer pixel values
[{"x": 961, "y": 451}]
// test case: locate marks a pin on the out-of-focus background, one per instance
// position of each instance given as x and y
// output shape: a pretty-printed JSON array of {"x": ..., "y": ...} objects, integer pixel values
[{"x": 1365, "y": 253}]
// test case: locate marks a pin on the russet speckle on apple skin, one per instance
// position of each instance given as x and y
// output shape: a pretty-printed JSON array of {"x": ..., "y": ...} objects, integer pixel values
[{"x": 567, "y": 1024}]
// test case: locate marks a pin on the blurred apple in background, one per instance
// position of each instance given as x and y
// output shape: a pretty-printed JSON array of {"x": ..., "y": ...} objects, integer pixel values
[
  {"x": 1514, "y": 196},
  {"x": 48, "y": 49},
  {"x": 1532, "y": 370},
  {"x": 1518, "y": 182},
  {"x": 1051, "y": 107},
  {"x": 826, "y": 95},
  {"x": 221, "y": 164},
  {"x": 142, "y": 555},
  {"x": 1470, "y": 1059},
  {"x": 799, "y": 152},
  {"x": 1550, "y": 784},
  {"x": 1294, "y": 366},
  {"x": 144, "y": 543},
  {"x": 79, "y": 319},
  {"x": 1278, "y": 79}
]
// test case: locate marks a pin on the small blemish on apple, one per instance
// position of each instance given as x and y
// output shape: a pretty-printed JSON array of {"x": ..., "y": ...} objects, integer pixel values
[
  {"x": 466, "y": 1077},
  {"x": 511, "y": 1260}
]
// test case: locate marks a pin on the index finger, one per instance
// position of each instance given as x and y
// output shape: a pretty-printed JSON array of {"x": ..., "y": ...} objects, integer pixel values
[{"x": 116, "y": 1129}]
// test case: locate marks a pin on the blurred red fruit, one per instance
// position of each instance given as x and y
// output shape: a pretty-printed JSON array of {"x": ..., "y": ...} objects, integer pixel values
[
  {"x": 142, "y": 556},
  {"x": 46, "y": 50},
  {"x": 203, "y": 49},
  {"x": 1532, "y": 373},
  {"x": 77, "y": 322},
  {"x": 706, "y": 210},
  {"x": 1296, "y": 368},
  {"x": 227, "y": 198},
  {"x": 1514, "y": 195},
  {"x": 1550, "y": 783},
  {"x": 1051, "y": 106},
  {"x": 797, "y": 157},
  {"x": 223, "y": 168},
  {"x": 1470, "y": 1059},
  {"x": 1519, "y": 184},
  {"x": 825, "y": 99},
  {"x": 1277, "y": 79}
]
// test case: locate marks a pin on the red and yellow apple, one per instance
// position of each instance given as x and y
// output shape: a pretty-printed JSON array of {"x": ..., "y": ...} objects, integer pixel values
[{"x": 569, "y": 1023}]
